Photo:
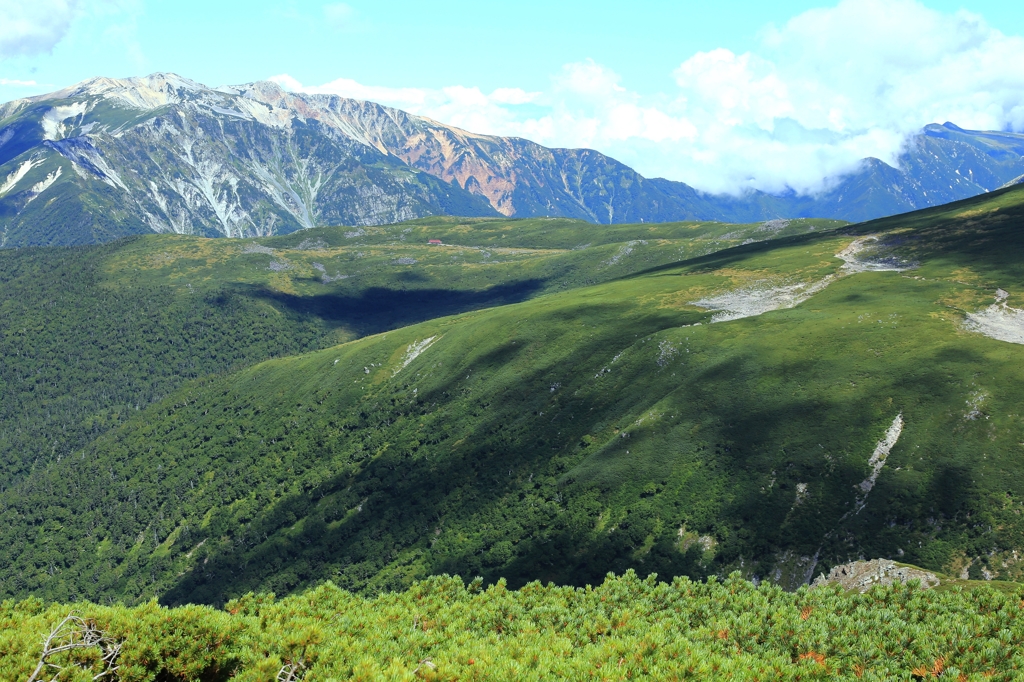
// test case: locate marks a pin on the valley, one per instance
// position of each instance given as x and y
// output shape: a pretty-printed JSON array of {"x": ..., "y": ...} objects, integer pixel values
[
  {"x": 606, "y": 417},
  {"x": 92, "y": 335},
  {"x": 550, "y": 342}
]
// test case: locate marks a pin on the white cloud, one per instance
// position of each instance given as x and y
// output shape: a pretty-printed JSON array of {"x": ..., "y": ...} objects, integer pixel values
[
  {"x": 411, "y": 99},
  {"x": 31, "y": 27},
  {"x": 824, "y": 90},
  {"x": 340, "y": 16},
  {"x": 513, "y": 96},
  {"x": 588, "y": 79},
  {"x": 14, "y": 83},
  {"x": 838, "y": 84},
  {"x": 460, "y": 106},
  {"x": 34, "y": 27}
]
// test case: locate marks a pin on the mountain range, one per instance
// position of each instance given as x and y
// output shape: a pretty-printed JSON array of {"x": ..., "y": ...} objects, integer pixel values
[{"x": 111, "y": 157}]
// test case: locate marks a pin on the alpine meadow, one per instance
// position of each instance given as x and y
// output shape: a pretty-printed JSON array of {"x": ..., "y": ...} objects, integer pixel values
[{"x": 393, "y": 378}]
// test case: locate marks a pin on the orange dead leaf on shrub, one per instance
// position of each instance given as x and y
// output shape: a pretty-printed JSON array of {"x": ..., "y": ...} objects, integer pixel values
[
  {"x": 722, "y": 634},
  {"x": 924, "y": 671},
  {"x": 805, "y": 613},
  {"x": 815, "y": 656}
]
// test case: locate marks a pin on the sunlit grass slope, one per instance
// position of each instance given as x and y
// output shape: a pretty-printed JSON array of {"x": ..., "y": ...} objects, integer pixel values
[
  {"x": 581, "y": 431},
  {"x": 90, "y": 335}
]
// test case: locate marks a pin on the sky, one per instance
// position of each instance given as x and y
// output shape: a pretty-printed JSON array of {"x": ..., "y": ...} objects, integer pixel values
[{"x": 726, "y": 96}]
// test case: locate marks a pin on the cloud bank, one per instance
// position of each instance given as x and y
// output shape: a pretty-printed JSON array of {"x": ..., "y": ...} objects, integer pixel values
[
  {"x": 822, "y": 91},
  {"x": 31, "y": 27}
]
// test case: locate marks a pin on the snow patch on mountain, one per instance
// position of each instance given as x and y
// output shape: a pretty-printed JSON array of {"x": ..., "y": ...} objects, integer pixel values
[
  {"x": 275, "y": 117},
  {"x": 761, "y": 297},
  {"x": 53, "y": 120},
  {"x": 15, "y": 176},
  {"x": 43, "y": 184},
  {"x": 275, "y": 185},
  {"x": 229, "y": 112},
  {"x": 855, "y": 260},
  {"x": 218, "y": 189},
  {"x": 878, "y": 457}
]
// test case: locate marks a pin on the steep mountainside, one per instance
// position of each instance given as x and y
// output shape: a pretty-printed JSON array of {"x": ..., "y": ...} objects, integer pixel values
[
  {"x": 163, "y": 154},
  {"x": 775, "y": 408},
  {"x": 108, "y": 157}
]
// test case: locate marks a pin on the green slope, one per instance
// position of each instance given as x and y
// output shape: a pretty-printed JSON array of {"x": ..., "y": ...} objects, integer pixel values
[
  {"x": 91, "y": 335},
  {"x": 578, "y": 432}
]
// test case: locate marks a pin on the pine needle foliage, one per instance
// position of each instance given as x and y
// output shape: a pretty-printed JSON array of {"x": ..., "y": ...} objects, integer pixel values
[{"x": 626, "y": 628}]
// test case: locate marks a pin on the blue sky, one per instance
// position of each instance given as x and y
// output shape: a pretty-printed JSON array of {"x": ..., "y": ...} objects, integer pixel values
[
  {"x": 729, "y": 94},
  {"x": 405, "y": 43}
]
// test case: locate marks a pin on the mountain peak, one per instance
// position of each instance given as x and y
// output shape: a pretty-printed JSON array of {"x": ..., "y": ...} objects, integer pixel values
[
  {"x": 145, "y": 92},
  {"x": 267, "y": 92},
  {"x": 256, "y": 159}
]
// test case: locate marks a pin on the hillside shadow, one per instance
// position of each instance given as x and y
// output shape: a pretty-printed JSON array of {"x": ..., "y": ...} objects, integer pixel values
[
  {"x": 403, "y": 496},
  {"x": 754, "y": 527},
  {"x": 751, "y": 523},
  {"x": 380, "y": 309},
  {"x": 732, "y": 255}
]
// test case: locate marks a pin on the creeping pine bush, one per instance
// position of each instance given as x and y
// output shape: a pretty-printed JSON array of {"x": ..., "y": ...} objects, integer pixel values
[{"x": 626, "y": 628}]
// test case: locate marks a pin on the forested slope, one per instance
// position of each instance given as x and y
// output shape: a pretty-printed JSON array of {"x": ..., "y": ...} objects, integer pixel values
[
  {"x": 841, "y": 402},
  {"x": 92, "y": 335}
]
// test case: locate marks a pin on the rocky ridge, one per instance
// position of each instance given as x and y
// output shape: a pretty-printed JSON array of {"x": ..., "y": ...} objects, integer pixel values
[{"x": 109, "y": 157}]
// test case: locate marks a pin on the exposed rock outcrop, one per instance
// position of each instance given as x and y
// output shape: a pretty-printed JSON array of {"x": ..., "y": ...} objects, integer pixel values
[{"x": 863, "y": 575}]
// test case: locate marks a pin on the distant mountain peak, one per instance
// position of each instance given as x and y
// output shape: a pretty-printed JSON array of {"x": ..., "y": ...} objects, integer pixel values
[
  {"x": 1019, "y": 180},
  {"x": 144, "y": 93},
  {"x": 165, "y": 153}
]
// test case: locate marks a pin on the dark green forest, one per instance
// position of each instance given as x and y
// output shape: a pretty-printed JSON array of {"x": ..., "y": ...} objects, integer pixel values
[{"x": 552, "y": 412}]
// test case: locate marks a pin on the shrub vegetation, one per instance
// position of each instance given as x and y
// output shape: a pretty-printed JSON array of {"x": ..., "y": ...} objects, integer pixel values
[{"x": 625, "y": 628}]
